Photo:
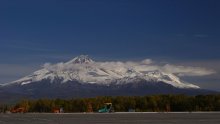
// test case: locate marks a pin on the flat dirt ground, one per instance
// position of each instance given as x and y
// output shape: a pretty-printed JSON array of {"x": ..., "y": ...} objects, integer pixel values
[{"x": 112, "y": 118}]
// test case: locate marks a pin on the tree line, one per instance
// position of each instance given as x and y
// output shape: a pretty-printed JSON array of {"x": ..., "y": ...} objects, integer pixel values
[{"x": 153, "y": 103}]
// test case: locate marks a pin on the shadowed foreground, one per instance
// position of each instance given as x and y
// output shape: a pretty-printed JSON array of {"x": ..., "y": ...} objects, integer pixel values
[{"x": 114, "y": 118}]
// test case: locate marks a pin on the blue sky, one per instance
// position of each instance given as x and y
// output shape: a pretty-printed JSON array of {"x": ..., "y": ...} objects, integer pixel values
[{"x": 183, "y": 32}]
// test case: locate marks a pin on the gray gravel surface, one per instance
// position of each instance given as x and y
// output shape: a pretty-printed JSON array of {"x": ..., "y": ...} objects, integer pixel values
[{"x": 112, "y": 118}]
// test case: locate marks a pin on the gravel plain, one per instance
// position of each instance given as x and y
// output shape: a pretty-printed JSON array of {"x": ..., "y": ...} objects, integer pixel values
[{"x": 112, "y": 118}]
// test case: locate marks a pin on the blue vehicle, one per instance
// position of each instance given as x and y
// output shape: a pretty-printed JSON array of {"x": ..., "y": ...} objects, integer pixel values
[{"x": 107, "y": 108}]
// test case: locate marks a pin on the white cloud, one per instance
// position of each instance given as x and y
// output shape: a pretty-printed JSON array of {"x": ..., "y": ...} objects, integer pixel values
[
  {"x": 145, "y": 65},
  {"x": 147, "y": 61},
  {"x": 187, "y": 70}
]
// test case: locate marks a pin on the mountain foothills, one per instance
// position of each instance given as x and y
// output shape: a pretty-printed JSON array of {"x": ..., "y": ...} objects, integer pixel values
[{"x": 83, "y": 77}]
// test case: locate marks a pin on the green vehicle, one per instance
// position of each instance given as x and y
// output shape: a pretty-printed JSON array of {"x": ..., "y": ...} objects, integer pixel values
[{"x": 107, "y": 108}]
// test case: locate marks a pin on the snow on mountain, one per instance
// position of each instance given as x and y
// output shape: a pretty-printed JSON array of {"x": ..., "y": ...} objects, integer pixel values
[
  {"x": 80, "y": 60},
  {"x": 84, "y": 70}
]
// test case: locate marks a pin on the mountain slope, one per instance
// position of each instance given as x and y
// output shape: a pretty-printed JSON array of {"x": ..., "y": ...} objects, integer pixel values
[
  {"x": 83, "y": 77},
  {"x": 85, "y": 70}
]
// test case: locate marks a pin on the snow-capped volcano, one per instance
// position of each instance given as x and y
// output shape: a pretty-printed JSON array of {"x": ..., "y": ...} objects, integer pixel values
[
  {"x": 84, "y": 77},
  {"x": 86, "y": 71}
]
